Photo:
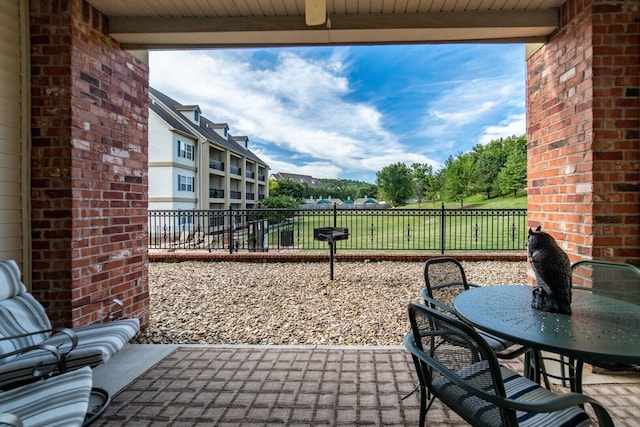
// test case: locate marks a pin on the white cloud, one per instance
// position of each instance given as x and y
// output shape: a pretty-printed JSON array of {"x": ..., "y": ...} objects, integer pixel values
[
  {"x": 296, "y": 103},
  {"x": 466, "y": 106},
  {"x": 512, "y": 125}
]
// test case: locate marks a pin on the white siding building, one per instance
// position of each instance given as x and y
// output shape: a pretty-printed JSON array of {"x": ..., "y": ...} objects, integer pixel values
[{"x": 196, "y": 164}]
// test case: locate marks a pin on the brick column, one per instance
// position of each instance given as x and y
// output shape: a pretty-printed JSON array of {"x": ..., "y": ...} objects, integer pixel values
[
  {"x": 583, "y": 130},
  {"x": 89, "y": 164}
]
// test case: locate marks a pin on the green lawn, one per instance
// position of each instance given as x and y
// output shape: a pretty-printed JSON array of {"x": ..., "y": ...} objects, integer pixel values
[
  {"x": 411, "y": 227},
  {"x": 478, "y": 201}
]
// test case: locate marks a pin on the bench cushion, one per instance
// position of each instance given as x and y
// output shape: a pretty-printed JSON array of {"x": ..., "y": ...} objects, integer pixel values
[{"x": 59, "y": 401}]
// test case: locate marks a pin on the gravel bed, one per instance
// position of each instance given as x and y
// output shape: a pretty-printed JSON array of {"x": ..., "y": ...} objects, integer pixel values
[{"x": 199, "y": 302}]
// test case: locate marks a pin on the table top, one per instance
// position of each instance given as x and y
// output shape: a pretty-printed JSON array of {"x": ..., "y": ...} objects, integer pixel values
[{"x": 599, "y": 327}]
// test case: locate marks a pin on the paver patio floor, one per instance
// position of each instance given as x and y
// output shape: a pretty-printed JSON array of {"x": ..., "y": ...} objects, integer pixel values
[{"x": 299, "y": 386}]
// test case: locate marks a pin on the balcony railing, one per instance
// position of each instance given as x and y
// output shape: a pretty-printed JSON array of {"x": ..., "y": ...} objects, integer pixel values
[
  {"x": 250, "y": 174},
  {"x": 235, "y": 170},
  {"x": 216, "y": 165},
  {"x": 261, "y": 178},
  {"x": 235, "y": 194},
  {"x": 250, "y": 196},
  {"x": 408, "y": 230},
  {"x": 216, "y": 193}
]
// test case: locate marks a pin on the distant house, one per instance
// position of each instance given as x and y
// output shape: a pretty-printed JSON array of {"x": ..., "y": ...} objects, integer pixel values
[
  {"x": 305, "y": 179},
  {"x": 366, "y": 201}
]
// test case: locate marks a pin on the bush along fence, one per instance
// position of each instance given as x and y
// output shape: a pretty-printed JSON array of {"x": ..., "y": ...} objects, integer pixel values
[{"x": 408, "y": 230}]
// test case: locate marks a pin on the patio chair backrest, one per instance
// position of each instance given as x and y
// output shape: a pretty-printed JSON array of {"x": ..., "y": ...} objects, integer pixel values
[
  {"x": 612, "y": 279},
  {"x": 444, "y": 279},
  {"x": 20, "y": 313}
]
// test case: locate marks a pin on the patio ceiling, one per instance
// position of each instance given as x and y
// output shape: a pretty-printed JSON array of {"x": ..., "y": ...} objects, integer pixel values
[{"x": 158, "y": 24}]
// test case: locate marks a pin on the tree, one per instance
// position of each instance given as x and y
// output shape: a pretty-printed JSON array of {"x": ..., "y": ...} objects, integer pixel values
[
  {"x": 487, "y": 168},
  {"x": 394, "y": 181},
  {"x": 279, "y": 202},
  {"x": 458, "y": 176},
  {"x": 513, "y": 176},
  {"x": 346, "y": 188},
  {"x": 367, "y": 190},
  {"x": 422, "y": 180},
  {"x": 288, "y": 187}
]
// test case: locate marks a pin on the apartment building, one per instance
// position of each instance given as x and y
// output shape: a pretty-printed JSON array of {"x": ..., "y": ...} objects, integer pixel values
[{"x": 195, "y": 163}]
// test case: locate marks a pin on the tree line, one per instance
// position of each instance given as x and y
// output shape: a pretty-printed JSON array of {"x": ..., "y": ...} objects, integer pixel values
[{"x": 495, "y": 169}]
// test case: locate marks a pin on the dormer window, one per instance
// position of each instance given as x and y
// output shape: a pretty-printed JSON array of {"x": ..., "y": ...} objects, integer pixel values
[{"x": 191, "y": 112}]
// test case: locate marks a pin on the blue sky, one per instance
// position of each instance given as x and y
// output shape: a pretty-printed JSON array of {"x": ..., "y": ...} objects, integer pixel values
[{"x": 349, "y": 111}]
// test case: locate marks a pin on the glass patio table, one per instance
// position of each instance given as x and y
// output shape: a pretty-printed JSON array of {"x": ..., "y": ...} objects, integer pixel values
[{"x": 599, "y": 328}]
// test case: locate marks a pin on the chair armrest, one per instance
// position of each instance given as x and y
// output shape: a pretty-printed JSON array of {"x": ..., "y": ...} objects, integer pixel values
[
  {"x": 73, "y": 338},
  {"x": 37, "y": 371},
  {"x": 11, "y": 420},
  {"x": 436, "y": 304},
  {"x": 559, "y": 402},
  {"x": 115, "y": 314}
]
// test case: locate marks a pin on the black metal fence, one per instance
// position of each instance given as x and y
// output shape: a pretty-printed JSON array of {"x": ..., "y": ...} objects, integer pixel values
[{"x": 260, "y": 230}]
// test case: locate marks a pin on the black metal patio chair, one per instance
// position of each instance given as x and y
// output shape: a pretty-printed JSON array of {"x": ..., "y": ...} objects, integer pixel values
[
  {"x": 444, "y": 279},
  {"x": 456, "y": 365},
  {"x": 609, "y": 279}
]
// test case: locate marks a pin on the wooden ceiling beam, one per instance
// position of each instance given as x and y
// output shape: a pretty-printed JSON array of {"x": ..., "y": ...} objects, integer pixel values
[{"x": 512, "y": 26}]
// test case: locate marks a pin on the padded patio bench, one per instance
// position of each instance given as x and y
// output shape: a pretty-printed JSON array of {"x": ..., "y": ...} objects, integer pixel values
[{"x": 24, "y": 323}]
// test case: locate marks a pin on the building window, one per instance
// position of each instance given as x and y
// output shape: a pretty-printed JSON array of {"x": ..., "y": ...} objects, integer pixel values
[
  {"x": 196, "y": 116},
  {"x": 185, "y": 183},
  {"x": 186, "y": 150}
]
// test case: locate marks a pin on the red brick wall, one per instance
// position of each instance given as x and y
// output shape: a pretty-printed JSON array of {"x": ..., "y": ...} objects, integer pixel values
[
  {"x": 89, "y": 163},
  {"x": 582, "y": 127}
]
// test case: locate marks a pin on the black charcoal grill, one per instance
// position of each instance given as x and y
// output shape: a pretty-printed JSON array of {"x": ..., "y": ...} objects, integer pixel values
[{"x": 331, "y": 235}]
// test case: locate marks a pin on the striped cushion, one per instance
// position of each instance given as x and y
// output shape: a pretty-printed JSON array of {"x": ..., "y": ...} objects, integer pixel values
[
  {"x": 497, "y": 344},
  {"x": 516, "y": 387},
  {"x": 108, "y": 337},
  {"x": 10, "y": 283},
  {"x": 59, "y": 401},
  {"x": 22, "y": 314}
]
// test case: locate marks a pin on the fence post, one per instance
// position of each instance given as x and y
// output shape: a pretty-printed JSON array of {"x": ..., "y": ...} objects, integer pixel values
[
  {"x": 442, "y": 229},
  {"x": 230, "y": 229},
  {"x": 333, "y": 244}
]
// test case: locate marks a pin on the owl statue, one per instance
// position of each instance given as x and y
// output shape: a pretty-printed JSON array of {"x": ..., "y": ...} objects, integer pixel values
[{"x": 552, "y": 269}]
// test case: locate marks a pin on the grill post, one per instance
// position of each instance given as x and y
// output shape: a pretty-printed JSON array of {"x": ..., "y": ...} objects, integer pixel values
[{"x": 330, "y": 235}]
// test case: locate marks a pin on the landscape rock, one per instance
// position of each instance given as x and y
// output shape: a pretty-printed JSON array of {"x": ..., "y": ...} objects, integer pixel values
[{"x": 200, "y": 302}]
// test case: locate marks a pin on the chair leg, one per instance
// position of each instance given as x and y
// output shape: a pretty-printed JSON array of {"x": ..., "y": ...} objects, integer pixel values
[
  {"x": 534, "y": 367},
  {"x": 530, "y": 366},
  {"x": 424, "y": 406},
  {"x": 98, "y": 402},
  {"x": 577, "y": 387}
]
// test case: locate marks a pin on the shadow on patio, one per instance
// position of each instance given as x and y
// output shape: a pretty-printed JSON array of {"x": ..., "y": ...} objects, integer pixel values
[{"x": 292, "y": 385}]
